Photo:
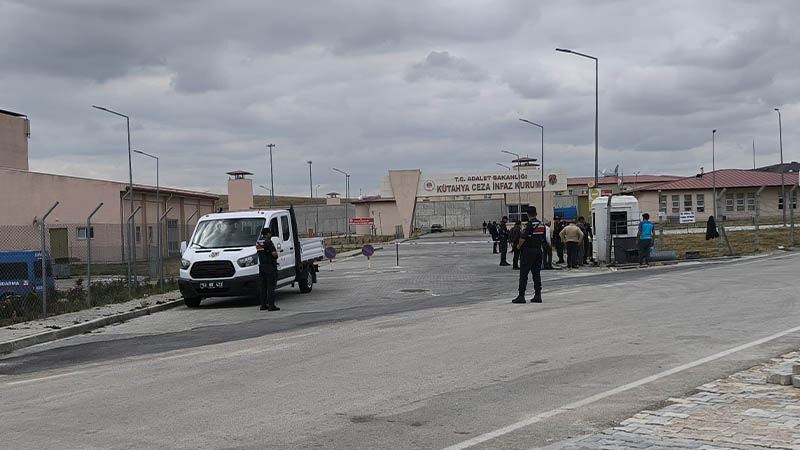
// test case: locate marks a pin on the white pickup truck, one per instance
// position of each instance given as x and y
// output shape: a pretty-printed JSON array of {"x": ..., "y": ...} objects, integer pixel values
[{"x": 220, "y": 260}]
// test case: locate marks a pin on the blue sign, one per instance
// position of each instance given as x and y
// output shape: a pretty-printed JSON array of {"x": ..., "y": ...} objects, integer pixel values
[
  {"x": 367, "y": 250},
  {"x": 330, "y": 253}
]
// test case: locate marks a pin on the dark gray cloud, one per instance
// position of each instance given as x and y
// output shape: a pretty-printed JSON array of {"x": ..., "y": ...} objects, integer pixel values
[
  {"x": 443, "y": 66},
  {"x": 369, "y": 86}
]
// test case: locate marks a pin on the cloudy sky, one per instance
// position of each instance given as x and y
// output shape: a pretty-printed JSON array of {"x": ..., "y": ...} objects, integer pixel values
[{"x": 368, "y": 86}]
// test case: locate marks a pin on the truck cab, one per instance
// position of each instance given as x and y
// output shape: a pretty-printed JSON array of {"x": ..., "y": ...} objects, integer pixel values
[{"x": 220, "y": 259}]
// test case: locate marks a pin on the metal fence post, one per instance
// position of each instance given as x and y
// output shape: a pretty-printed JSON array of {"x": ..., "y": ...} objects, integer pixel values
[
  {"x": 791, "y": 211},
  {"x": 187, "y": 234},
  {"x": 44, "y": 264},
  {"x": 160, "y": 261},
  {"x": 132, "y": 240},
  {"x": 89, "y": 236},
  {"x": 757, "y": 218},
  {"x": 719, "y": 221}
]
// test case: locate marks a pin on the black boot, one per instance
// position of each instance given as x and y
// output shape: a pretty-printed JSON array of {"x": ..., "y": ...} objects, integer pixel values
[
  {"x": 537, "y": 298},
  {"x": 272, "y": 308},
  {"x": 520, "y": 299}
]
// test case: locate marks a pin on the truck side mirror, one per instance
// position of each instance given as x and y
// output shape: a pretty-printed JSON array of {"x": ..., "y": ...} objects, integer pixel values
[{"x": 183, "y": 247}]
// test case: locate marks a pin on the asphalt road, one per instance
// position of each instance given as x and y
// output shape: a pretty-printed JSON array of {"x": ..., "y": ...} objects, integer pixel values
[{"x": 429, "y": 354}]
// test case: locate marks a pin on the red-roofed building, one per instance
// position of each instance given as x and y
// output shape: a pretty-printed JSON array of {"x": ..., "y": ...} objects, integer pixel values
[
  {"x": 578, "y": 188},
  {"x": 738, "y": 201}
]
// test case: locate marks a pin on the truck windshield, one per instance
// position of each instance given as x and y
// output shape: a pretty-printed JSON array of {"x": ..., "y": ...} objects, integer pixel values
[{"x": 221, "y": 233}]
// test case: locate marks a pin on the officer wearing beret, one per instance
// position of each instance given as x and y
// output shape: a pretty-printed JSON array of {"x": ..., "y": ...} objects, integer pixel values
[
  {"x": 533, "y": 237},
  {"x": 267, "y": 270}
]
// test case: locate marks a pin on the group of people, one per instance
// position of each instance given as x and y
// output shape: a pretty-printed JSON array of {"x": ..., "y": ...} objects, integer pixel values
[
  {"x": 532, "y": 247},
  {"x": 567, "y": 237}
]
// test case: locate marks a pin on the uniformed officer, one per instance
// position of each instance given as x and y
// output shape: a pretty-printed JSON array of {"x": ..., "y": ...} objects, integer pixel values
[
  {"x": 531, "y": 244},
  {"x": 502, "y": 237},
  {"x": 267, "y": 270}
]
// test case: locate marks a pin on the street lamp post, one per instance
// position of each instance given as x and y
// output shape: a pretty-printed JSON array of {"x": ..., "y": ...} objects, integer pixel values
[
  {"x": 310, "y": 183},
  {"x": 271, "y": 178},
  {"x": 596, "y": 103},
  {"x": 503, "y": 165},
  {"x": 346, "y": 196},
  {"x": 131, "y": 241},
  {"x": 519, "y": 183},
  {"x": 265, "y": 188},
  {"x": 158, "y": 214},
  {"x": 714, "y": 187},
  {"x": 541, "y": 161},
  {"x": 783, "y": 185}
]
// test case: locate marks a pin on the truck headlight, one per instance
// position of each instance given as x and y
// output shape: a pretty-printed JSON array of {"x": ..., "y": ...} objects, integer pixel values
[
  {"x": 248, "y": 261},
  {"x": 185, "y": 263}
]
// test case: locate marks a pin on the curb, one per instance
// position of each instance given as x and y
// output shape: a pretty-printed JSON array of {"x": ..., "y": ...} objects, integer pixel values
[{"x": 61, "y": 333}]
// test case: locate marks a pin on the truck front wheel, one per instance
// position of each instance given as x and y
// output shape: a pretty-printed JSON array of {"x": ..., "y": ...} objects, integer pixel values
[{"x": 306, "y": 281}]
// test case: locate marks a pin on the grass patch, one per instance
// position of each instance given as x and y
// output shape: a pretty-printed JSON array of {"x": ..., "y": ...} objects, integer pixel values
[
  {"x": 15, "y": 309},
  {"x": 742, "y": 242}
]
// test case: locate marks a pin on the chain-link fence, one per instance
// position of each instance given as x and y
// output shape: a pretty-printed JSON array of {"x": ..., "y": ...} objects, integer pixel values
[{"x": 84, "y": 264}]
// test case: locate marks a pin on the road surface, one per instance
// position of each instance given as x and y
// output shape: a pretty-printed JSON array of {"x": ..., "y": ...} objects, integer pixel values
[{"x": 430, "y": 354}]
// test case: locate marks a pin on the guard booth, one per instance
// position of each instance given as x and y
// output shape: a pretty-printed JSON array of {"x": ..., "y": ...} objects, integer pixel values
[{"x": 623, "y": 221}]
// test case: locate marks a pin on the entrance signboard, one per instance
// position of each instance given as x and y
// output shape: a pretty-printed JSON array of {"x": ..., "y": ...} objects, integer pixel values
[{"x": 528, "y": 180}]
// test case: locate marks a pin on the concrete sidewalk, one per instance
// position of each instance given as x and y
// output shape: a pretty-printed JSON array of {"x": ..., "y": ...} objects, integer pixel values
[
  {"x": 742, "y": 411},
  {"x": 21, "y": 335}
]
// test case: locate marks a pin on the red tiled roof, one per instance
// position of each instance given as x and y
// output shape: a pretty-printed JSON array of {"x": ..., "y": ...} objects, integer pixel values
[
  {"x": 726, "y": 178},
  {"x": 627, "y": 179}
]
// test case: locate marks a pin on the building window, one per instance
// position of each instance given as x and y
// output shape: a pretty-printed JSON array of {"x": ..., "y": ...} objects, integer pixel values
[
  {"x": 150, "y": 234},
  {"x": 487, "y": 196},
  {"x": 466, "y": 197},
  {"x": 82, "y": 233},
  {"x": 513, "y": 214},
  {"x": 728, "y": 202},
  {"x": 701, "y": 202},
  {"x": 687, "y": 202},
  {"x": 138, "y": 234},
  {"x": 794, "y": 201},
  {"x": 662, "y": 203},
  {"x": 740, "y": 201},
  {"x": 751, "y": 201},
  {"x": 676, "y": 207}
]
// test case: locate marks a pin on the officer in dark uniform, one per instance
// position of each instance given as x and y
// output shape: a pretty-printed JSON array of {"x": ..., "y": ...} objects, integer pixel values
[
  {"x": 502, "y": 237},
  {"x": 267, "y": 270},
  {"x": 531, "y": 244}
]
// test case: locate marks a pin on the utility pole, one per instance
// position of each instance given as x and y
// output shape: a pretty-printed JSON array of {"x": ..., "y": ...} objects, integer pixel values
[
  {"x": 271, "y": 178},
  {"x": 783, "y": 184},
  {"x": 310, "y": 183}
]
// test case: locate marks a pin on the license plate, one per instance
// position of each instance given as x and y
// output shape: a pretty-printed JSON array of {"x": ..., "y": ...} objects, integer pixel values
[{"x": 212, "y": 285}]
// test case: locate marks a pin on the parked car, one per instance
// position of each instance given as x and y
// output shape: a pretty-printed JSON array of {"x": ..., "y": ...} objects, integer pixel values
[
  {"x": 220, "y": 260},
  {"x": 436, "y": 228}
]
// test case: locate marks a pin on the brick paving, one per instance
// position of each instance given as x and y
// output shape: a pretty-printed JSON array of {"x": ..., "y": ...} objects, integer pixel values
[{"x": 742, "y": 411}]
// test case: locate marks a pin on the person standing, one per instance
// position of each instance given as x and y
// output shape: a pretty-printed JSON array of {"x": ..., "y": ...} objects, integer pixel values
[
  {"x": 267, "y": 270},
  {"x": 514, "y": 236},
  {"x": 502, "y": 237},
  {"x": 558, "y": 225},
  {"x": 572, "y": 236},
  {"x": 587, "y": 243},
  {"x": 493, "y": 233},
  {"x": 484, "y": 227},
  {"x": 644, "y": 239},
  {"x": 581, "y": 224},
  {"x": 547, "y": 249},
  {"x": 530, "y": 244}
]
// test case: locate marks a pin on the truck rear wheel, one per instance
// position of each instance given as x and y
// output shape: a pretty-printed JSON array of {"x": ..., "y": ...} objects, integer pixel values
[
  {"x": 192, "y": 302},
  {"x": 306, "y": 281}
]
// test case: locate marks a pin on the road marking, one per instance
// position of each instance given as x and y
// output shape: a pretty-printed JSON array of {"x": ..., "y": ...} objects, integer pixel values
[
  {"x": 295, "y": 336},
  {"x": 589, "y": 400},
  {"x": 50, "y": 377},
  {"x": 182, "y": 355}
]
